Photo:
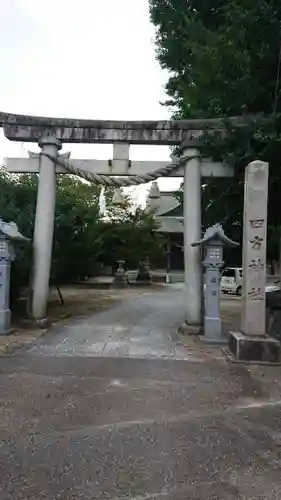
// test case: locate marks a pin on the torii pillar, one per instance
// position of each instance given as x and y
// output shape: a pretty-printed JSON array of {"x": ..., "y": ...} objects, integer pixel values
[
  {"x": 44, "y": 228},
  {"x": 192, "y": 233}
]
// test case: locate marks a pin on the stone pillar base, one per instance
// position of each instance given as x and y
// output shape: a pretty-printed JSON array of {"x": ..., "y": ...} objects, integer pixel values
[
  {"x": 218, "y": 340},
  {"x": 42, "y": 323},
  {"x": 143, "y": 283},
  {"x": 143, "y": 277},
  {"x": 187, "y": 329},
  {"x": 5, "y": 322},
  {"x": 7, "y": 332},
  {"x": 261, "y": 349},
  {"x": 120, "y": 283},
  {"x": 213, "y": 331}
]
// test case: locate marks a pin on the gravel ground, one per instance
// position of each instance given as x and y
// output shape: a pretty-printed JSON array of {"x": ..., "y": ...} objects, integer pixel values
[{"x": 121, "y": 428}]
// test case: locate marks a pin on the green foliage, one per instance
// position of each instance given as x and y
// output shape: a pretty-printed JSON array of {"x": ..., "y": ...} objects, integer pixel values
[
  {"x": 18, "y": 192},
  {"x": 131, "y": 237},
  {"x": 77, "y": 242},
  {"x": 222, "y": 56},
  {"x": 223, "y": 61},
  {"x": 128, "y": 235},
  {"x": 83, "y": 240},
  {"x": 260, "y": 139}
]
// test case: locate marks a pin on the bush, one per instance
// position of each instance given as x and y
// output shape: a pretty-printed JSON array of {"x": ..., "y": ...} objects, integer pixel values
[{"x": 83, "y": 241}]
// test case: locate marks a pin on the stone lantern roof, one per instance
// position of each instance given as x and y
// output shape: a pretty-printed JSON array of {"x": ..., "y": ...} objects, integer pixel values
[
  {"x": 10, "y": 230},
  {"x": 215, "y": 232}
]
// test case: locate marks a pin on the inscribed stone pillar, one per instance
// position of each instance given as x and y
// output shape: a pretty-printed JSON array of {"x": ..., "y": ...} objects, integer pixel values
[
  {"x": 44, "y": 227},
  {"x": 192, "y": 232},
  {"x": 254, "y": 249}
]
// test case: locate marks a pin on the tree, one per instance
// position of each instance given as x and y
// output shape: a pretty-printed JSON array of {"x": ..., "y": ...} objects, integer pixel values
[
  {"x": 223, "y": 59},
  {"x": 129, "y": 235},
  {"x": 83, "y": 240},
  {"x": 17, "y": 204},
  {"x": 218, "y": 60},
  {"x": 76, "y": 239}
]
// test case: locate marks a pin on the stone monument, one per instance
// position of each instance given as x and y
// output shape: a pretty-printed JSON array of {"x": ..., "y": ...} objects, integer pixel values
[{"x": 252, "y": 343}]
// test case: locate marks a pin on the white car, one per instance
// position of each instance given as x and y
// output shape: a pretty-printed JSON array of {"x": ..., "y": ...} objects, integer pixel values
[
  {"x": 231, "y": 282},
  {"x": 274, "y": 287}
]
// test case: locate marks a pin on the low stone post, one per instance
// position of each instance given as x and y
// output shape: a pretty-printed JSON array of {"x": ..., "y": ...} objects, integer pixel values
[{"x": 8, "y": 235}]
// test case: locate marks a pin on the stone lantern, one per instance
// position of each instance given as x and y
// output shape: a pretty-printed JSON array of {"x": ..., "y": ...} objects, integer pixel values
[
  {"x": 212, "y": 244},
  {"x": 120, "y": 279},
  {"x": 9, "y": 234}
]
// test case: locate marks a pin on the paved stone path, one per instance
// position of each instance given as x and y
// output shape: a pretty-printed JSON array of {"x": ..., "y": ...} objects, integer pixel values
[
  {"x": 78, "y": 426},
  {"x": 142, "y": 327}
]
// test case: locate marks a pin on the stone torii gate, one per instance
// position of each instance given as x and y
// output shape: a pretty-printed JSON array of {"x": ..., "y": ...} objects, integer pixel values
[{"x": 51, "y": 133}]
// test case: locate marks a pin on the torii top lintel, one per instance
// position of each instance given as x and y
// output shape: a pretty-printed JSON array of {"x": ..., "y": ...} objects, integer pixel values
[{"x": 27, "y": 128}]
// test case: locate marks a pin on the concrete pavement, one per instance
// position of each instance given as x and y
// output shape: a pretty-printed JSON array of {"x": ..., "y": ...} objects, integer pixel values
[
  {"x": 140, "y": 327},
  {"x": 112, "y": 428}
]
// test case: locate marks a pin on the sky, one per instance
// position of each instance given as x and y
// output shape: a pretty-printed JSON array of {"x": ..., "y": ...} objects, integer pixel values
[{"x": 81, "y": 59}]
